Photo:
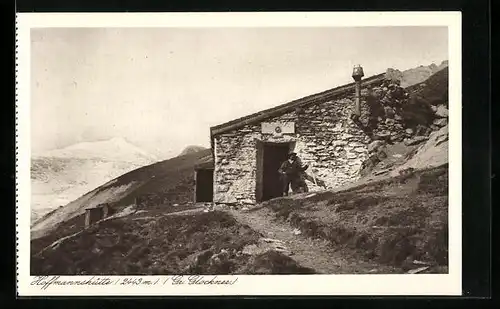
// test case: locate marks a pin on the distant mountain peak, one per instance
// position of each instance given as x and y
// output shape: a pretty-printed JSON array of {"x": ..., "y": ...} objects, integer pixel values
[
  {"x": 191, "y": 149},
  {"x": 114, "y": 149},
  {"x": 415, "y": 75}
]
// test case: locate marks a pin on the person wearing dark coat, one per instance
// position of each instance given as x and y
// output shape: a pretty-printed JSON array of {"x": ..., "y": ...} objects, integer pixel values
[{"x": 292, "y": 174}]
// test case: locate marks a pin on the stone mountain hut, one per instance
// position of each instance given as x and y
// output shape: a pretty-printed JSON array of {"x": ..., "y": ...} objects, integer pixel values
[{"x": 323, "y": 129}]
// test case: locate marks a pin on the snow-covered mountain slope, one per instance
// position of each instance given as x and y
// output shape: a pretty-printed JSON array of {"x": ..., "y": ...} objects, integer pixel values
[
  {"x": 163, "y": 178},
  {"x": 115, "y": 149},
  {"x": 62, "y": 175}
]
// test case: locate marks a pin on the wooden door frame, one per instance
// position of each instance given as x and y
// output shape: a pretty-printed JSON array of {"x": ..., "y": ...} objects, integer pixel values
[
  {"x": 259, "y": 162},
  {"x": 195, "y": 197}
]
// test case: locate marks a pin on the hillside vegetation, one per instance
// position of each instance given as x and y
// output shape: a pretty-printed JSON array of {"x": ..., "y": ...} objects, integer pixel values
[
  {"x": 392, "y": 221},
  {"x": 150, "y": 243}
]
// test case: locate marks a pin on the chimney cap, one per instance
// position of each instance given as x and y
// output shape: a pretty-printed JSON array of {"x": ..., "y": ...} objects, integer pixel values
[{"x": 357, "y": 72}]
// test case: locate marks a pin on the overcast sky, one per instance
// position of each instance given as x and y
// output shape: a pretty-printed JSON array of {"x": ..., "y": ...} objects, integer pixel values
[{"x": 163, "y": 88}]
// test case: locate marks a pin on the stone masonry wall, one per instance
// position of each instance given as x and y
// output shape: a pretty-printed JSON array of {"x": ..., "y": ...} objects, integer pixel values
[{"x": 325, "y": 138}]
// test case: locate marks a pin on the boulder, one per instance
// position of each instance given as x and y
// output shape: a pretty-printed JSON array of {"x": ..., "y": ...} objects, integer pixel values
[
  {"x": 415, "y": 140},
  {"x": 265, "y": 245},
  {"x": 380, "y": 172},
  {"x": 441, "y": 111},
  {"x": 389, "y": 121},
  {"x": 441, "y": 122},
  {"x": 434, "y": 127},
  {"x": 375, "y": 145},
  {"x": 383, "y": 133},
  {"x": 381, "y": 155},
  {"x": 389, "y": 112},
  {"x": 422, "y": 130},
  {"x": 397, "y": 138},
  {"x": 339, "y": 143},
  {"x": 296, "y": 232},
  {"x": 253, "y": 250},
  {"x": 351, "y": 155}
]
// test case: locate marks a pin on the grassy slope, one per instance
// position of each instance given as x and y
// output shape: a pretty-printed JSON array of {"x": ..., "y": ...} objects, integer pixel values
[
  {"x": 393, "y": 222},
  {"x": 176, "y": 174},
  {"x": 152, "y": 243}
]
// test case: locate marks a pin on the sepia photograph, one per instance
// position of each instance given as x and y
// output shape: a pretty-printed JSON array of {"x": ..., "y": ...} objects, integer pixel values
[{"x": 214, "y": 151}]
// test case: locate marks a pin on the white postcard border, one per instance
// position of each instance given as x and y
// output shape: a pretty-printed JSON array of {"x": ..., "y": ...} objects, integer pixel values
[{"x": 435, "y": 284}]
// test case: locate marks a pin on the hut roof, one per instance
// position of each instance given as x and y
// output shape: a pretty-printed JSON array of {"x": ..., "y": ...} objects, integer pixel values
[
  {"x": 206, "y": 162},
  {"x": 97, "y": 206},
  {"x": 287, "y": 107}
]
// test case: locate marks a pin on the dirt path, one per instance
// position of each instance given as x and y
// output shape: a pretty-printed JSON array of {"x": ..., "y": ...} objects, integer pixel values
[
  {"x": 308, "y": 252},
  {"x": 160, "y": 212},
  {"x": 185, "y": 212}
]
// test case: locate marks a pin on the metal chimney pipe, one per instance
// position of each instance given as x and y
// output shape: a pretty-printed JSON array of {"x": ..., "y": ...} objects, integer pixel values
[{"x": 357, "y": 75}]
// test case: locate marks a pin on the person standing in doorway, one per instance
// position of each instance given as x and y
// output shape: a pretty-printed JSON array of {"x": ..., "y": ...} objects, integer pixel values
[{"x": 291, "y": 172}]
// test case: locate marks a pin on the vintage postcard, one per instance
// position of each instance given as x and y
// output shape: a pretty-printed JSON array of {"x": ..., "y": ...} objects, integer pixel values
[{"x": 239, "y": 154}]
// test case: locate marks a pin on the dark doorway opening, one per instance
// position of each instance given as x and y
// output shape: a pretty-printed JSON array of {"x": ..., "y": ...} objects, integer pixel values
[
  {"x": 269, "y": 157},
  {"x": 204, "y": 187}
]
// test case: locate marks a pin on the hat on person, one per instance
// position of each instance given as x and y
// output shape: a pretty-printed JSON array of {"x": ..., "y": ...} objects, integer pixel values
[{"x": 292, "y": 154}]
